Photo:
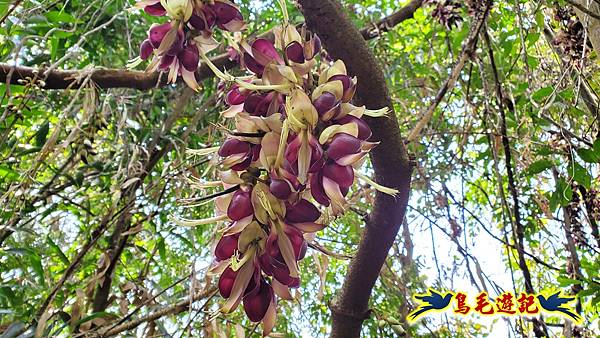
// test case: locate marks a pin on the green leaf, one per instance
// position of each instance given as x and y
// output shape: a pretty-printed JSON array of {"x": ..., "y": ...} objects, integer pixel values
[
  {"x": 57, "y": 251},
  {"x": 580, "y": 175},
  {"x": 538, "y": 166},
  {"x": 42, "y": 134},
  {"x": 161, "y": 248},
  {"x": 542, "y": 93},
  {"x": 562, "y": 195},
  {"x": 36, "y": 264},
  {"x": 596, "y": 146},
  {"x": 589, "y": 155},
  {"x": 60, "y": 17},
  {"x": 565, "y": 281},
  {"x": 8, "y": 173}
]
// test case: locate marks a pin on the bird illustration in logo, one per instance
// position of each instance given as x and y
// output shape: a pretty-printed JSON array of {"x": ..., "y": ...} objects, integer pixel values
[
  {"x": 430, "y": 302},
  {"x": 554, "y": 304}
]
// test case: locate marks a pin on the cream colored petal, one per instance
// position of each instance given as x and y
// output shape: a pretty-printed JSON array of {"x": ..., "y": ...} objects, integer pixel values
[
  {"x": 332, "y": 190},
  {"x": 329, "y": 132},
  {"x": 287, "y": 251},
  {"x": 239, "y": 286}
]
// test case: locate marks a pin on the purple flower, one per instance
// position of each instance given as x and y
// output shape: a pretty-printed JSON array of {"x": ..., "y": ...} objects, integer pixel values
[
  {"x": 257, "y": 104},
  {"x": 257, "y": 303},
  {"x": 238, "y": 155},
  {"x": 203, "y": 19},
  {"x": 261, "y": 53},
  {"x": 293, "y": 153},
  {"x": 152, "y": 7},
  {"x": 227, "y": 16},
  {"x": 226, "y": 247},
  {"x": 240, "y": 205},
  {"x": 301, "y": 52}
]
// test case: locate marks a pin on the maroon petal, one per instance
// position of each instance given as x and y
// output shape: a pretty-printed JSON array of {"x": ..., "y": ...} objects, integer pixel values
[
  {"x": 264, "y": 51},
  {"x": 342, "y": 175},
  {"x": 346, "y": 80},
  {"x": 155, "y": 10},
  {"x": 316, "y": 155},
  {"x": 233, "y": 146},
  {"x": 166, "y": 61},
  {"x": 325, "y": 102},
  {"x": 297, "y": 240},
  {"x": 255, "y": 152},
  {"x": 197, "y": 22},
  {"x": 295, "y": 52},
  {"x": 253, "y": 285},
  {"x": 266, "y": 264},
  {"x": 226, "y": 247},
  {"x": 252, "y": 104},
  {"x": 317, "y": 191},
  {"x": 302, "y": 212},
  {"x": 157, "y": 33},
  {"x": 344, "y": 190},
  {"x": 294, "y": 283},
  {"x": 240, "y": 205},
  {"x": 242, "y": 165},
  {"x": 177, "y": 46},
  {"x": 291, "y": 151},
  {"x": 226, "y": 282},
  {"x": 224, "y": 13},
  {"x": 253, "y": 65},
  {"x": 203, "y": 19},
  {"x": 256, "y": 305},
  {"x": 302, "y": 253},
  {"x": 280, "y": 189},
  {"x": 343, "y": 144},
  {"x": 271, "y": 247},
  {"x": 348, "y": 84},
  {"x": 316, "y": 44},
  {"x": 146, "y": 49},
  {"x": 189, "y": 57},
  {"x": 281, "y": 272},
  {"x": 234, "y": 96},
  {"x": 364, "y": 131}
]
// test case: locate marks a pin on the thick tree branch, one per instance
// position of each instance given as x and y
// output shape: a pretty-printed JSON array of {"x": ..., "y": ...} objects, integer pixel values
[
  {"x": 390, "y": 161},
  {"x": 120, "y": 78},
  {"x": 387, "y": 23},
  {"x": 103, "y": 78}
]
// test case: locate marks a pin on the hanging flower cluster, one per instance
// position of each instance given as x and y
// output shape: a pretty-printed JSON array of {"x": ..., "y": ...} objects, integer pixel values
[
  {"x": 175, "y": 46},
  {"x": 287, "y": 166}
]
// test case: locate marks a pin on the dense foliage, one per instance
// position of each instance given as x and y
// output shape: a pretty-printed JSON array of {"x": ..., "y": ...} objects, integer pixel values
[{"x": 96, "y": 184}]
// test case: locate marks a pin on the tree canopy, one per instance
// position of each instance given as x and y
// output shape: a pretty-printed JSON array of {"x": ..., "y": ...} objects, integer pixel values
[{"x": 223, "y": 168}]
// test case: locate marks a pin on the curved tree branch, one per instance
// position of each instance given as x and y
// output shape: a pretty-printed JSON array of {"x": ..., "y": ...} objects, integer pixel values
[
  {"x": 387, "y": 23},
  {"x": 120, "y": 78},
  {"x": 390, "y": 161}
]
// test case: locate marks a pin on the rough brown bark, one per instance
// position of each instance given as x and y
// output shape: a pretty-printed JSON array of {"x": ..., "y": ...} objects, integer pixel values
[
  {"x": 390, "y": 162},
  {"x": 103, "y": 78}
]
